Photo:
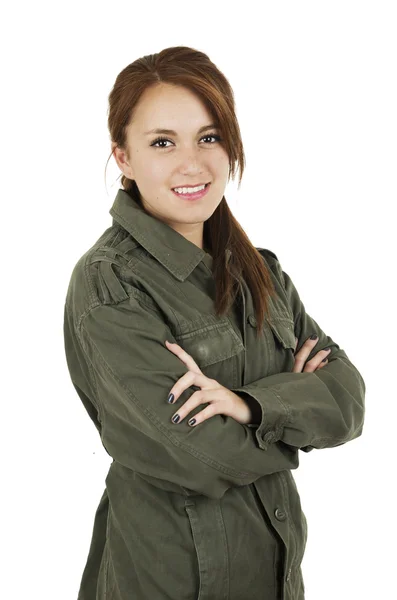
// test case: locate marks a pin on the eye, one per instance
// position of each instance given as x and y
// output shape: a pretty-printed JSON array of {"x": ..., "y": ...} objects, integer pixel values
[
  {"x": 160, "y": 139},
  {"x": 217, "y": 138}
]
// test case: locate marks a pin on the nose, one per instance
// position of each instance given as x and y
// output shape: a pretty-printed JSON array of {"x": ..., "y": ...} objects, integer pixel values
[{"x": 190, "y": 157}]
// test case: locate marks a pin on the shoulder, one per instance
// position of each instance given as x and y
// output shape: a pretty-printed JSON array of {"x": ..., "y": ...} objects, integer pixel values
[
  {"x": 269, "y": 256},
  {"x": 272, "y": 261},
  {"x": 95, "y": 278},
  {"x": 266, "y": 252}
]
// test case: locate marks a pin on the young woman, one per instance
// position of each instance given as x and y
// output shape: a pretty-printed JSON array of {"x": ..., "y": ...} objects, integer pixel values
[{"x": 201, "y": 506}]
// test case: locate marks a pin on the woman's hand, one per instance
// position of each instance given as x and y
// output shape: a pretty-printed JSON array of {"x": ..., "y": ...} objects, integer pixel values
[
  {"x": 221, "y": 400},
  {"x": 315, "y": 363}
]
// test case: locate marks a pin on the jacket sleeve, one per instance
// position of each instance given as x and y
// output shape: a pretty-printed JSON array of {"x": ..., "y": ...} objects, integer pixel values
[
  {"x": 123, "y": 372},
  {"x": 322, "y": 409}
]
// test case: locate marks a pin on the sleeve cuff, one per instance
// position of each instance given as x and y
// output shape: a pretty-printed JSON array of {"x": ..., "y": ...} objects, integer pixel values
[{"x": 274, "y": 415}]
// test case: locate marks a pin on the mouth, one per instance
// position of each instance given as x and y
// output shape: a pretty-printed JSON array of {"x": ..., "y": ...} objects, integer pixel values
[
  {"x": 190, "y": 186},
  {"x": 194, "y": 195}
]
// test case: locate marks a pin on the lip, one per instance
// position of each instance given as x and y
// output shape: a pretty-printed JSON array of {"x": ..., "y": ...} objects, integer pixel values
[
  {"x": 191, "y": 185},
  {"x": 196, "y": 195}
]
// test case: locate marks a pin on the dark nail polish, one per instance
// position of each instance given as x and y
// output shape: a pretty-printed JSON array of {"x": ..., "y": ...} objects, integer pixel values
[
  {"x": 175, "y": 419},
  {"x": 191, "y": 421},
  {"x": 313, "y": 336},
  {"x": 327, "y": 348},
  {"x": 170, "y": 398},
  {"x": 324, "y": 359}
]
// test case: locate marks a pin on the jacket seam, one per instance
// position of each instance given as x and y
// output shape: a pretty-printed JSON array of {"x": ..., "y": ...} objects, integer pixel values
[
  {"x": 224, "y": 536},
  {"x": 286, "y": 487},
  {"x": 93, "y": 378},
  {"x": 333, "y": 439},
  {"x": 286, "y": 407}
]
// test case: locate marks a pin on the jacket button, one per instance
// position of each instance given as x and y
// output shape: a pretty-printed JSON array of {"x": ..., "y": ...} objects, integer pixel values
[
  {"x": 269, "y": 436},
  {"x": 252, "y": 320},
  {"x": 280, "y": 514}
]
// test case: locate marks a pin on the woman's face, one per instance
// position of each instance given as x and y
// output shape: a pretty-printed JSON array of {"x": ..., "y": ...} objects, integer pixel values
[{"x": 187, "y": 157}]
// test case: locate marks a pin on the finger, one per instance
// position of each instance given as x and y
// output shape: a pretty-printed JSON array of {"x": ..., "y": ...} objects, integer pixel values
[
  {"x": 188, "y": 379},
  {"x": 195, "y": 400},
  {"x": 322, "y": 364},
  {"x": 316, "y": 361},
  {"x": 301, "y": 356},
  {"x": 203, "y": 415},
  {"x": 183, "y": 356}
]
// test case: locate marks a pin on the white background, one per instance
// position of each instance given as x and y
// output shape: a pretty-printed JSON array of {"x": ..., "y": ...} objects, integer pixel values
[{"x": 315, "y": 89}]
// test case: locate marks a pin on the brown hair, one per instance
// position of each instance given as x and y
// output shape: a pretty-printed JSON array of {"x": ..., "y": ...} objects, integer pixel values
[{"x": 184, "y": 66}]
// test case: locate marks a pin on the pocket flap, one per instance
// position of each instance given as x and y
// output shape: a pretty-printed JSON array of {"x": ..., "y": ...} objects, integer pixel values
[{"x": 283, "y": 329}]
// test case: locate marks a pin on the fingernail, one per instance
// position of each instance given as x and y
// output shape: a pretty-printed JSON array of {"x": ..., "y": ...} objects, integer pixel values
[
  {"x": 191, "y": 421},
  {"x": 170, "y": 398},
  {"x": 313, "y": 336},
  {"x": 324, "y": 359},
  {"x": 175, "y": 418},
  {"x": 328, "y": 348}
]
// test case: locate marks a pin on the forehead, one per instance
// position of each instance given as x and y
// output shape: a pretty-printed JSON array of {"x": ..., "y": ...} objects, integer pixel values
[{"x": 171, "y": 110}]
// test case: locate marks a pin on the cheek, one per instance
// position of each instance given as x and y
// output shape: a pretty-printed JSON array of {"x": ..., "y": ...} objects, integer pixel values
[
  {"x": 157, "y": 174},
  {"x": 152, "y": 179},
  {"x": 220, "y": 167}
]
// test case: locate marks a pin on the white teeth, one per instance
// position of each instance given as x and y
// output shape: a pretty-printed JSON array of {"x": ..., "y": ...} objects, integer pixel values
[{"x": 189, "y": 190}]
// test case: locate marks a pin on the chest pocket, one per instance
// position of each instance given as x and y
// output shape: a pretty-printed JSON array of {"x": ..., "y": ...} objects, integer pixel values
[{"x": 216, "y": 348}]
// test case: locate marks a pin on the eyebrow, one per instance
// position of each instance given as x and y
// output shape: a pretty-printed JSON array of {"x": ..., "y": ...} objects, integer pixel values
[{"x": 172, "y": 132}]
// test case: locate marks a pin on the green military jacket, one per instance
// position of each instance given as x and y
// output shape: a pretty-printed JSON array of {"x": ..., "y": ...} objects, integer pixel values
[{"x": 209, "y": 512}]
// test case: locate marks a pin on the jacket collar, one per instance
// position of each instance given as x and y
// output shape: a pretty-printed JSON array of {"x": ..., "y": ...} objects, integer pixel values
[{"x": 170, "y": 248}]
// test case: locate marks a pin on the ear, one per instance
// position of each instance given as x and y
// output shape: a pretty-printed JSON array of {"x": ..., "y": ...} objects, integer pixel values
[{"x": 121, "y": 159}]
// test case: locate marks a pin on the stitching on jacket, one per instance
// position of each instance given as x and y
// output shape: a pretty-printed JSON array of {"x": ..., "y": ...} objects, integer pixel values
[
  {"x": 288, "y": 418},
  {"x": 93, "y": 378},
  {"x": 286, "y": 495},
  {"x": 275, "y": 267},
  {"x": 108, "y": 553},
  {"x": 335, "y": 439},
  {"x": 91, "y": 290},
  {"x": 224, "y": 537}
]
